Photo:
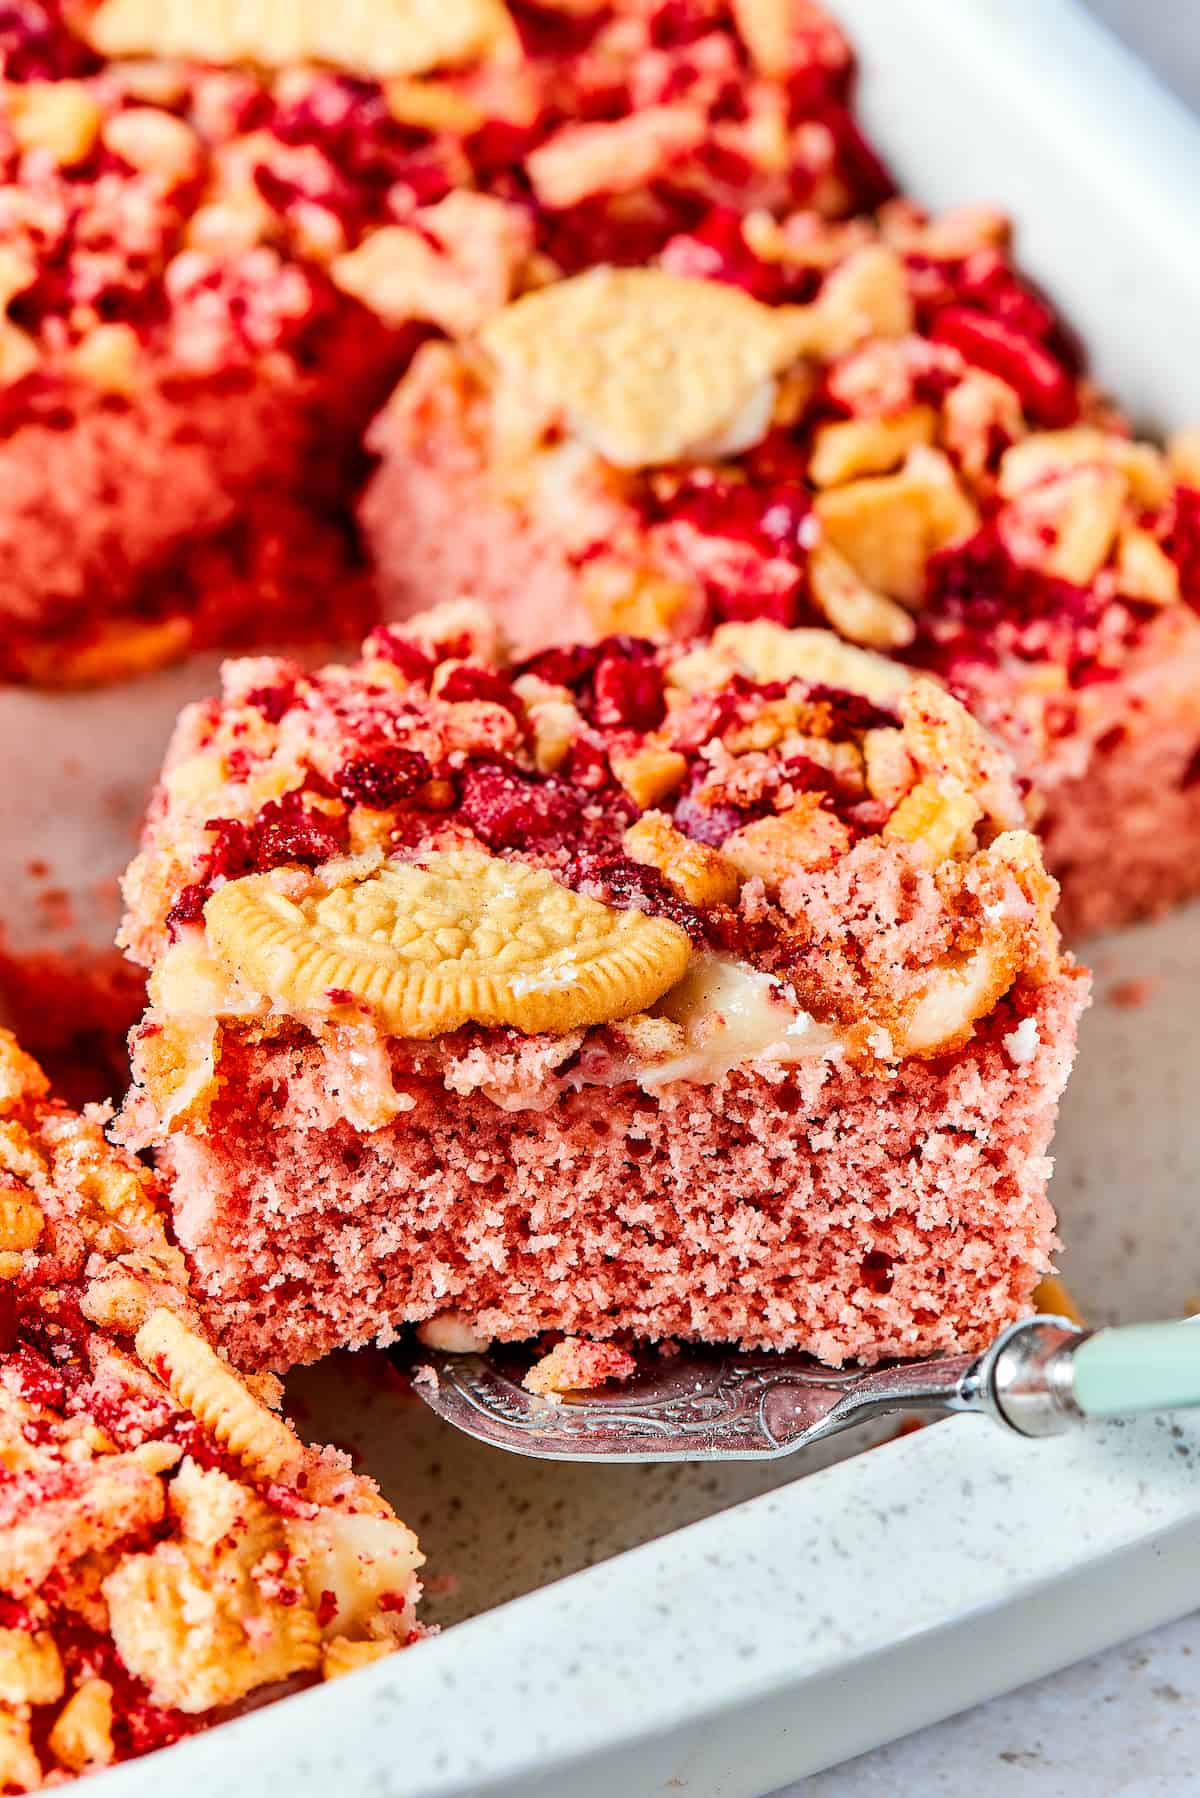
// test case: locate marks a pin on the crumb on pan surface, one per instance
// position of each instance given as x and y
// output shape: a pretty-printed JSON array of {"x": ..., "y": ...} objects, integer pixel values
[
  {"x": 576, "y": 1365},
  {"x": 169, "y": 1548},
  {"x": 485, "y": 974}
]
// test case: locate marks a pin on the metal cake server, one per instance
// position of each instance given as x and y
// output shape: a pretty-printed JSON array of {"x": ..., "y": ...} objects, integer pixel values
[{"x": 1040, "y": 1377}]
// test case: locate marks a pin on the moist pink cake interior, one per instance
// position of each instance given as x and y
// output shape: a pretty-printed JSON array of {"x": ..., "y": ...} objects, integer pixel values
[{"x": 853, "y": 1217}]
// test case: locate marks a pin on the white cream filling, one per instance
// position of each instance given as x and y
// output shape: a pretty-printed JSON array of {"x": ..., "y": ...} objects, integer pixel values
[
  {"x": 730, "y": 1015},
  {"x": 1023, "y": 1043},
  {"x": 734, "y": 1015},
  {"x": 452, "y": 1333},
  {"x": 546, "y": 980},
  {"x": 953, "y": 998}
]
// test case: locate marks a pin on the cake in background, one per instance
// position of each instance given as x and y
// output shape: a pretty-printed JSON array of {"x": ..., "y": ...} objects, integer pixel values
[
  {"x": 874, "y": 426},
  {"x": 225, "y": 229}
]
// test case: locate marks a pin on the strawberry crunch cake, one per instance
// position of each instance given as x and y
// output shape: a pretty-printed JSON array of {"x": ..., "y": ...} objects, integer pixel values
[
  {"x": 224, "y": 228},
  {"x": 706, "y": 990},
  {"x": 169, "y": 1550},
  {"x": 871, "y": 425}
]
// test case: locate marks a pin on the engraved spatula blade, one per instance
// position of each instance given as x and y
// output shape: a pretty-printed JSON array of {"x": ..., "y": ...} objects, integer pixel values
[{"x": 1038, "y": 1378}]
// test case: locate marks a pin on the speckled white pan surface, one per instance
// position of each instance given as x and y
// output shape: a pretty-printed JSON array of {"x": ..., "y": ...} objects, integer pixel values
[{"x": 826, "y": 1612}]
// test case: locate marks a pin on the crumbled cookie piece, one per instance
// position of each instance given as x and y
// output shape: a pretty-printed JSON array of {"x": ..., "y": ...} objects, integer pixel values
[
  {"x": 645, "y": 366},
  {"x": 861, "y": 446},
  {"x": 455, "y": 265},
  {"x": 769, "y": 652},
  {"x": 650, "y": 773},
  {"x": 63, "y": 118},
  {"x": 397, "y": 37},
  {"x": 699, "y": 874},
  {"x": 212, "y": 1392},
  {"x": 888, "y": 526},
  {"x": 853, "y": 608},
  {"x": 210, "y": 1615},
  {"x": 161, "y": 1526}
]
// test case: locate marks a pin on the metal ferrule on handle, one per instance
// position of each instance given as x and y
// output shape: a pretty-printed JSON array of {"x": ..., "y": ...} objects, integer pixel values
[
  {"x": 1026, "y": 1379},
  {"x": 1044, "y": 1375}
]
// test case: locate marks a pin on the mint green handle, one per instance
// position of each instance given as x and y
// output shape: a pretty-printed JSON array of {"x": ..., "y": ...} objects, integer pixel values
[{"x": 1138, "y": 1367}]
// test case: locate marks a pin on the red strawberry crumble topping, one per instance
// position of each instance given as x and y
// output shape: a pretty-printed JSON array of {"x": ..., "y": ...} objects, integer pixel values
[
  {"x": 153, "y": 1511},
  {"x": 710, "y": 765},
  {"x": 384, "y": 778},
  {"x": 1045, "y": 388},
  {"x": 507, "y": 808}
]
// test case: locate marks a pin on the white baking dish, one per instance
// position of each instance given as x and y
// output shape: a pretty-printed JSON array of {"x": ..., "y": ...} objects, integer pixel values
[{"x": 828, "y": 1612}]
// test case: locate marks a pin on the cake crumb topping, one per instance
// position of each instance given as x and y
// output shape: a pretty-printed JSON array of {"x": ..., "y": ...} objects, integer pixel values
[
  {"x": 364, "y": 37},
  {"x": 386, "y": 858},
  {"x": 165, "y": 1537},
  {"x": 577, "y": 1365}
]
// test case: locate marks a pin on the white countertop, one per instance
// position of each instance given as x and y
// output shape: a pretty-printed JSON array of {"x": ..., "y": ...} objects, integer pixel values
[{"x": 1125, "y": 1722}]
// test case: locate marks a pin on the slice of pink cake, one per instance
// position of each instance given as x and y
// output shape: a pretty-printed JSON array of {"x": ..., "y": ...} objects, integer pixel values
[
  {"x": 709, "y": 991},
  {"x": 871, "y": 425}
]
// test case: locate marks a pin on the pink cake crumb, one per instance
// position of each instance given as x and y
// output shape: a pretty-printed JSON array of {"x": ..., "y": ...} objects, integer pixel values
[
  {"x": 576, "y": 1365},
  {"x": 1133, "y": 994}
]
